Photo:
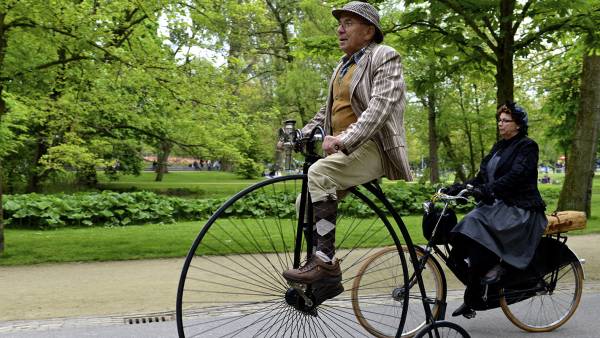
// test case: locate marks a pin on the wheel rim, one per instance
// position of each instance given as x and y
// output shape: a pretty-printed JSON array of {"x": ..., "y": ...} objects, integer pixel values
[
  {"x": 546, "y": 311},
  {"x": 243, "y": 292},
  {"x": 443, "y": 329},
  {"x": 380, "y": 280}
]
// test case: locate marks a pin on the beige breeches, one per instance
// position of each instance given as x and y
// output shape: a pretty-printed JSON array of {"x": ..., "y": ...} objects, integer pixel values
[{"x": 338, "y": 172}]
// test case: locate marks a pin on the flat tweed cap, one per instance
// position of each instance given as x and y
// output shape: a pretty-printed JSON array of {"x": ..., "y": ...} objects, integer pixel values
[{"x": 365, "y": 11}]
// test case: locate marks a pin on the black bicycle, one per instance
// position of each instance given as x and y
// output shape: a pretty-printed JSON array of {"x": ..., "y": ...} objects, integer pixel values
[
  {"x": 540, "y": 298},
  {"x": 231, "y": 282}
]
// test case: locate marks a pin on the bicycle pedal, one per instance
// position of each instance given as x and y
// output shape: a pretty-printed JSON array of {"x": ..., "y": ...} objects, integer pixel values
[
  {"x": 470, "y": 315},
  {"x": 298, "y": 286},
  {"x": 301, "y": 290},
  {"x": 485, "y": 293}
]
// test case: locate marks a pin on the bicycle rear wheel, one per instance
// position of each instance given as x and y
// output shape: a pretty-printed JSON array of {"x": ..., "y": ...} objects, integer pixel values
[
  {"x": 545, "y": 308},
  {"x": 380, "y": 284},
  {"x": 231, "y": 283}
]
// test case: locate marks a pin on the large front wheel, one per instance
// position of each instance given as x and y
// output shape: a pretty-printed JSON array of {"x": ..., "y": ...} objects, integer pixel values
[{"x": 231, "y": 283}]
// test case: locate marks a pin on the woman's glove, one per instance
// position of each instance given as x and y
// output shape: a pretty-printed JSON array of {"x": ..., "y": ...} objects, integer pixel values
[
  {"x": 454, "y": 189},
  {"x": 483, "y": 194}
]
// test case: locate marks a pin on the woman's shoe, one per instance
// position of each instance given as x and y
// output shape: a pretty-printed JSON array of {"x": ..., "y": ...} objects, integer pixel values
[
  {"x": 465, "y": 311},
  {"x": 494, "y": 275}
]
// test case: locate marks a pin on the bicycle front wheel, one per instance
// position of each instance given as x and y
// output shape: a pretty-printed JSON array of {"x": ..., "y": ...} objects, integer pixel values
[
  {"x": 380, "y": 284},
  {"x": 547, "y": 306},
  {"x": 231, "y": 283}
]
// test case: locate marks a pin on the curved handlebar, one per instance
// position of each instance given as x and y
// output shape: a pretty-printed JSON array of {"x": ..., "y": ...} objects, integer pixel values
[
  {"x": 462, "y": 195},
  {"x": 317, "y": 134}
]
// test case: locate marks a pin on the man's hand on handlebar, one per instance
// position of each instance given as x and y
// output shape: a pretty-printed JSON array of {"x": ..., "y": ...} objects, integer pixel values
[{"x": 332, "y": 145}]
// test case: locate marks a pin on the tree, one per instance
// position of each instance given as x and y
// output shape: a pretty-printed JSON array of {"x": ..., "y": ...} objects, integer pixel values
[
  {"x": 581, "y": 162},
  {"x": 69, "y": 36},
  {"x": 492, "y": 32}
]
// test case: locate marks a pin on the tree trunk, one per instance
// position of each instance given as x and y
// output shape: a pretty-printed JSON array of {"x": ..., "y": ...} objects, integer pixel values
[
  {"x": 43, "y": 144},
  {"x": 504, "y": 54},
  {"x": 2, "y": 112},
  {"x": 456, "y": 163},
  {"x": 162, "y": 158},
  {"x": 33, "y": 184},
  {"x": 3, "y": 44},
  {"x": 479, "y": 134},
  {"x": 577, "y": 189},
  {"x": 434, "y": 170},
  {"x": 468, "y": 132},
  {"x": 1, "y": 212}
]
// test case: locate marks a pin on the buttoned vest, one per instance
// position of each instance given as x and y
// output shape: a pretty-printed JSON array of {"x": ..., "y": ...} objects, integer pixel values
[{"x": 341, "y": 111}]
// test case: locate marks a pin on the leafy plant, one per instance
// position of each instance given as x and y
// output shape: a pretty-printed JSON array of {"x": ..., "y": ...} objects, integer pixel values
[{"x": 120, "y": 209}]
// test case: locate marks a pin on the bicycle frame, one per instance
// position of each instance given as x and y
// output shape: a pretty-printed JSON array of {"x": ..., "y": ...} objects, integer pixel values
[
  {"x": 377, "y": 192},
  {"x": 534, "y": 274}
]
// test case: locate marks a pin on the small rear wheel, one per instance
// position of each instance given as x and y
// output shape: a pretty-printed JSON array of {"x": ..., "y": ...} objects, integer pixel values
[
  {"x": 379, "y": 286},
  {"x": 442, "y": 329},
  {"x": 546, "y": 307}
]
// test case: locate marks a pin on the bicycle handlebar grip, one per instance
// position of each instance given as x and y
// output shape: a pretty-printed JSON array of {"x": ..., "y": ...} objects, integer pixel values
[{"x": 317, "y": 137}]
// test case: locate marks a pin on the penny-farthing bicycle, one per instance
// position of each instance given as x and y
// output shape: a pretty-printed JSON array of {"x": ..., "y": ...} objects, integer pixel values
[{"x": 231, "y": 283}]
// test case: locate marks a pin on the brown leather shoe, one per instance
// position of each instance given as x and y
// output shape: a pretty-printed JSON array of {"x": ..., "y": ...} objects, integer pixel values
[{"x": 315, "y": 270}]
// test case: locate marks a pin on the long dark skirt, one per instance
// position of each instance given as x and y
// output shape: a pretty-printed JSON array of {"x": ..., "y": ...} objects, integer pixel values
[{"x": 510, "y": 232}]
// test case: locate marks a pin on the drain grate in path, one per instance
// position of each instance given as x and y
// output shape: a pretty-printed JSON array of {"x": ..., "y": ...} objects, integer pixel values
[{"x": 149, "y": 319}]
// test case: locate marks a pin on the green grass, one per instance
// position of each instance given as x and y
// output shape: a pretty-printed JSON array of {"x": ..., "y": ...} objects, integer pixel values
[
  {"x": 197, "y": 184},
  {"x": 116, "y": 243},
  {"x": 98, "y": 244},
  {"x": 168, "y": 240}
]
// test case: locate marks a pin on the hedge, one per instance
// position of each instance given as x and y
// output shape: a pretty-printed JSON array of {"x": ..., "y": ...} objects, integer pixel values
[{"x": 119, "y": 209}]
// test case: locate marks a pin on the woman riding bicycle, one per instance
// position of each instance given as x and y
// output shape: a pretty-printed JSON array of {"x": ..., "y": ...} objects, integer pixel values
[{"x": 509, "y": 220}]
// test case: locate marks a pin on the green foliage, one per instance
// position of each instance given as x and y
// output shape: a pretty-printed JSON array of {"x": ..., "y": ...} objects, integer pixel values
[
  {"x": 562, "y": 86},
  {"x": 119, "y": 209},
  {"x": 92, "y": 209},
  {"x": 247, "y": 168},
  {"x": 92, "y": 83}
]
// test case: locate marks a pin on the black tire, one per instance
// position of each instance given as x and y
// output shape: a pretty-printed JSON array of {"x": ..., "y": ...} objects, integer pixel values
[
  {"x": 243, "y": 292},
  {"x": 442, "y": 329},
  {"x": 547, "y": 308},
  {"x": 379, "y": 284}
]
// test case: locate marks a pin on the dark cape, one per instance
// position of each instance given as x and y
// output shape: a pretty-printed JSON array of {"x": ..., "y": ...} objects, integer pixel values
[{"x": 513, "y": 225}]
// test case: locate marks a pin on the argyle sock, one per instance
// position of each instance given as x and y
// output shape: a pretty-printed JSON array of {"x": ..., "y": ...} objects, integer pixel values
[{"x": 325, "y": 215}]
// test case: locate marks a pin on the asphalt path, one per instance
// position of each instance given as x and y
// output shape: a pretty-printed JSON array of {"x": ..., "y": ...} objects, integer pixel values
[
  {"x": 98, "y": 299},
  {"x": 489, "y": 324}
]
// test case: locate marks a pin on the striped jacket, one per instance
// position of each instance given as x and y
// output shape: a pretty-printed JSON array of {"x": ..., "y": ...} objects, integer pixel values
[{"x": 377, "y": 92}]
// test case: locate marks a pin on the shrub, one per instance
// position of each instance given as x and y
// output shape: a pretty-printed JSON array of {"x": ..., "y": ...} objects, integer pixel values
[
  {"x": 247, "y": 168},
  {"x": 119, "y": 209},
  {"x": 106, "y": 208}
]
